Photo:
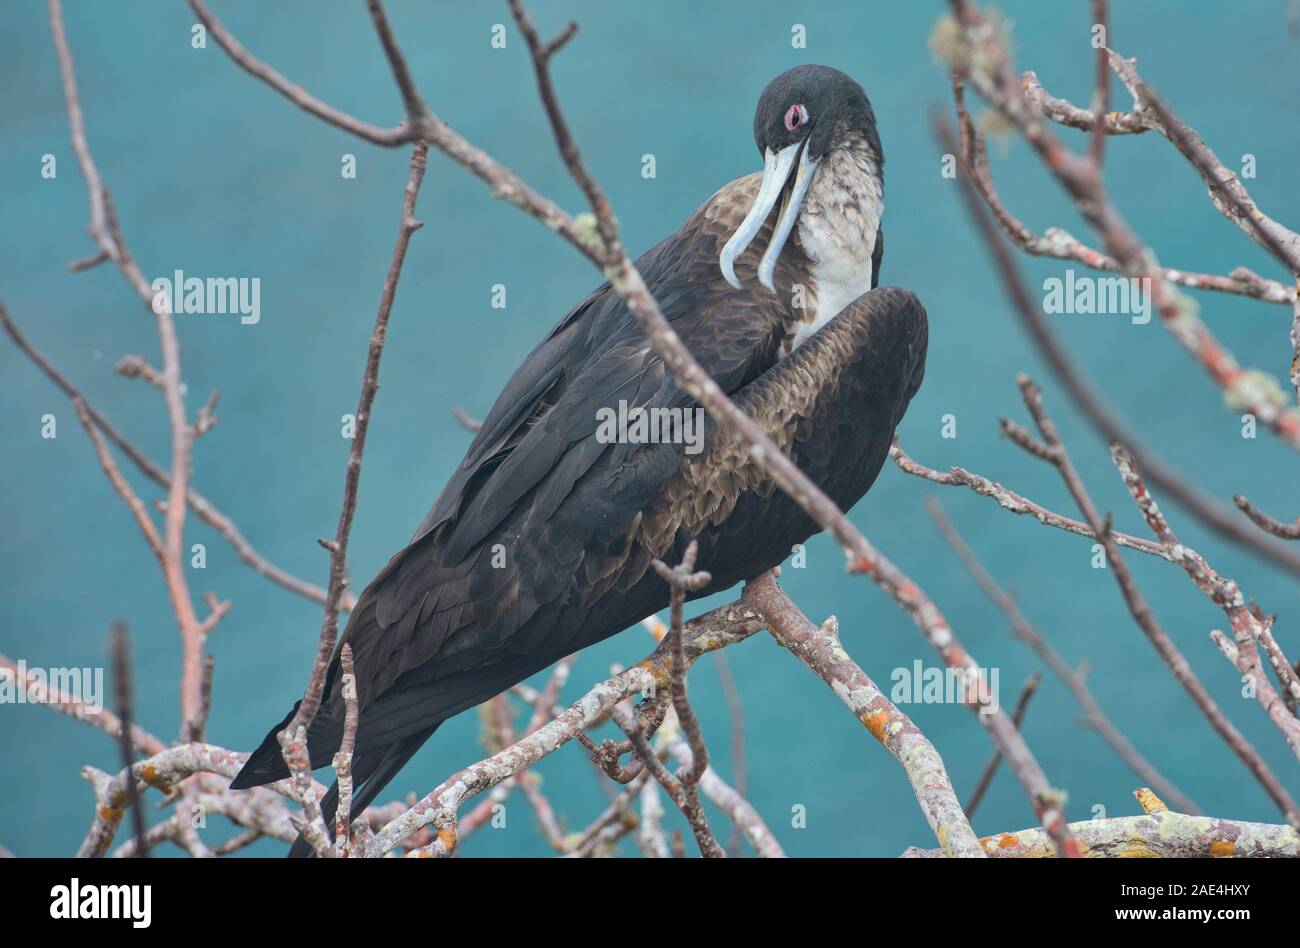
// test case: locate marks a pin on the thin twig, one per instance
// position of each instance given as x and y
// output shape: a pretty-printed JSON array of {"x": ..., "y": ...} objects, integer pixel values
[
  {"x": 468, "y": 423},
  {"x": 1074, "y": 679},
  {"x": 99, "y": 718},
  {"x": 739, "y": 763},
  {"x": 369, "y": 385},
  {"x": 1287, "y": 531},
  {"x": 1101, "y": 90},
  {"x": 1247, "y": 627},
  {"x": 685, "y": 795},
  {"x": 1141, "y": 610},
  {"x": 203, "y": 508},
  {"x": 196, "y": 728},
  {"x": 1008, "y": 499},
  {"x": 991, "y": 768},
  {"x": 682, "y": 580},
  {"x": 1081, "y": 180},
  {"x": 744, "y": 817},
  {"x": 388, "y": 137},
  {"x": 119, "y": 649},
  {"x": 105, "y": 230},
  {"x": 1089, "y": 400}
]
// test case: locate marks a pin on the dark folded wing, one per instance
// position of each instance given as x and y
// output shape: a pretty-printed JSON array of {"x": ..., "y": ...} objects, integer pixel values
[
  {"x": 832, "y": 406},
  {"x": 541, "y": 503}
]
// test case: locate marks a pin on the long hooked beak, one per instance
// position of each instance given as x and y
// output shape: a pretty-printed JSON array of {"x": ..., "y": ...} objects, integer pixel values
[
  {"x": 776, "y": 170},
  {"x": 789, "y": 214}
]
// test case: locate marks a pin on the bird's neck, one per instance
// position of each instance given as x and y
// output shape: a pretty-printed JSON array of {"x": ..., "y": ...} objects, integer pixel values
[{"x": 837, "y": 230}]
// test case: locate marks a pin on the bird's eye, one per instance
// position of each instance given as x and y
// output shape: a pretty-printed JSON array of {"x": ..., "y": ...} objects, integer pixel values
[{"x": 795, "y": 116}]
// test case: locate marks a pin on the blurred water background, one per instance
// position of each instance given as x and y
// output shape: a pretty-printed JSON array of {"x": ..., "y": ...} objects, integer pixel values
[{"x": 216, "y": 174}]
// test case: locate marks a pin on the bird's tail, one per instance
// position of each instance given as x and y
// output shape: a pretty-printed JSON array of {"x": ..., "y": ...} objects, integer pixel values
[
  {"x": 371, "y": 772},
  {"x": 265, "y": 765},
  {"x": 372, "y": 769}
]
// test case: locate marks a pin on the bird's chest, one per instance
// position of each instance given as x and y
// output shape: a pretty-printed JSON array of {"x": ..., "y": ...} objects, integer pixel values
[{"x": 837, "y": 232}]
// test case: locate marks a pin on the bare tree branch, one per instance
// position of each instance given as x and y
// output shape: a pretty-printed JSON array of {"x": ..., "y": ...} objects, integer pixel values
[
  {"x": 714, "y": 630},
  {"x": 343, "y": 758},
  {"x": 683, "y": 794},
  {"x": 388, "y": 137},
  {"x": 1265, "y": 522},
  {"x": 683, "y": 579},
  {"x": 731, "y": 800},
  {"x": 1079, "y": 177},
  {"x": 1101, "y": 88},
  {"x": 98, "y": 718},
  {"x": 1057, "y": 242},
  {"x": 202, "y": 507},
  {"x": 1160, "y": 833},
  {"x": 119, "y": 652},
  {"x": 1146, "y": 620},
  {"x": 369, "y": 385},
  {"x": 1074, "y": 679},
  {"x": 991, "y": 768},
  {"x": 1223, "y": 592},
  {"x": 1088, "y": 398},
  {"x": 1016, "y": 503},
  {"x": 820, "y": 649},
  {"x": 197, "y": 773}
]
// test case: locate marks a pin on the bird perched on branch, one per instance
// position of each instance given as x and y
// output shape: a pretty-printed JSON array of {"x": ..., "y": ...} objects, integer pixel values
[{"x": 542, "y": 541}]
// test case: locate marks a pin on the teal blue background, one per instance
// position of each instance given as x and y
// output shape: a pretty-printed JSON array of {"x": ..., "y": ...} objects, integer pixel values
[{"x": 216, "y": 174}]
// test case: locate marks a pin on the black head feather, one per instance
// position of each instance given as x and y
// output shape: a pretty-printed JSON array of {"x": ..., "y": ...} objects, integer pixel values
[{"x": 837, "y": 109}]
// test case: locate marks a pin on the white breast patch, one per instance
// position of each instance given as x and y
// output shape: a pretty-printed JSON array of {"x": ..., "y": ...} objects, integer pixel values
[{"x": 837, "y": 231}]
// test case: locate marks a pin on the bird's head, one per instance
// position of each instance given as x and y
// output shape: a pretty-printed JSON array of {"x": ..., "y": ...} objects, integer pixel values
[{"x": 803, "y": 115}]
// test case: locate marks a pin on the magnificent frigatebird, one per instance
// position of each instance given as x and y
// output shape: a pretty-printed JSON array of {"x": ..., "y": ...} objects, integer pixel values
[{"x": 542, "y": 541}]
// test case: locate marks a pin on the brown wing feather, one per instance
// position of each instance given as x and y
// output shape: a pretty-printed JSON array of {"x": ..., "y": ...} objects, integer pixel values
[{"x": 832, "y": 406}]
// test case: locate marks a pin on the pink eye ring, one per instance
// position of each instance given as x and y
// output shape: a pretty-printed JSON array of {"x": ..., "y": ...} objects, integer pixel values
[{"x": 795, "y": 116}]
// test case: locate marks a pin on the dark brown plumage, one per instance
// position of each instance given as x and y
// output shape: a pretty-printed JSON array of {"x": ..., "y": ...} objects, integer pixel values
[{"x": 541, "y": 542}]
